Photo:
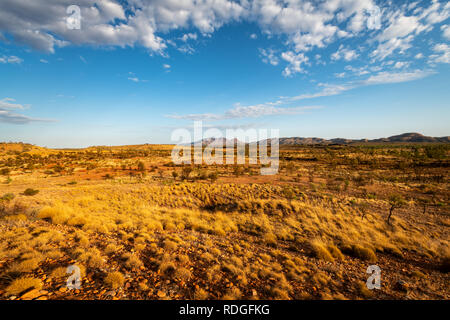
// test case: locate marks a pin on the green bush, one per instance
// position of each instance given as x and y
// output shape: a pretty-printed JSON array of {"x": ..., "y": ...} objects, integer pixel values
[{"x": 30, "y": 192}]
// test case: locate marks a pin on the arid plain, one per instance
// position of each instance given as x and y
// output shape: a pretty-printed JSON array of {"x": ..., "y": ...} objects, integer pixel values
[{"x": 140, "y": 227}]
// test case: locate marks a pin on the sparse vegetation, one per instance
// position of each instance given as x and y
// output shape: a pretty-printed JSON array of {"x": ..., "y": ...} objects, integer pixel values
[{"x": 133, "y": 221}]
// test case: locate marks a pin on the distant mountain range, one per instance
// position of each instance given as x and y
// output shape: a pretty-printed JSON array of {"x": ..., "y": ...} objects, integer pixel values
[{"x": 412, "y": 137}]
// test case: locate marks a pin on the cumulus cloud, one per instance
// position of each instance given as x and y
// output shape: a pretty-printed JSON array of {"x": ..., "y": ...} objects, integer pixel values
[
  {"x": 446, "y": 31},
  {"x": 403, "y": 27},
  {"x": 269, "y": 56},
  {"x": 442, "y": 54},
  {"x": 295, "y": 62},
  {"x": 188, "y": 36},
  {"x": 344, "y": 53},
  {"x": 303, "y": 25}
]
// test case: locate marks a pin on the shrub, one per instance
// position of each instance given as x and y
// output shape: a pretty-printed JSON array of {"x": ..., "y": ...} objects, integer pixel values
[
  {"x": 200, "y": 294},
  {"x": 23, "y": 284},
  {"x": 25, "y": 266},
  {"x": 30, "y": 192},
  {"x": 183, "y": 274},
  {"x": 270, "y": 239},
  {"x": 360, "y": 252},
  {"x": 114, "y": 280},
  {"x": 57, "y": 214},
  {"x": 8, "y": 197},
  {"x": 133, "y": 262},
  {"x": 320, "y": 250},
  {"x": 141, "y": 166}
]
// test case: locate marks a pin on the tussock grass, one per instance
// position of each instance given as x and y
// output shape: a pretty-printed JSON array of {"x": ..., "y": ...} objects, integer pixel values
[
  {"x": 23, "y": 284},
  {"x": 114, "y": 280}
]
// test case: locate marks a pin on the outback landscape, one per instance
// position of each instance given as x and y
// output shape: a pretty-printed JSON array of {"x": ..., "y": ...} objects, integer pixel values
[{"x": 140, "y": 227}]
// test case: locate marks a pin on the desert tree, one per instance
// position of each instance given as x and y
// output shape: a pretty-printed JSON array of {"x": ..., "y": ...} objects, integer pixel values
[{"x": 395, "y": 202}]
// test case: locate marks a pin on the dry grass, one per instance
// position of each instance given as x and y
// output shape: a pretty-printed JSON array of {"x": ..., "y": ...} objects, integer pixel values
[
  {"x": 286, "y": 236},
  {"x": 23, "y": 284},
  {"x": 114, "y": 280}
]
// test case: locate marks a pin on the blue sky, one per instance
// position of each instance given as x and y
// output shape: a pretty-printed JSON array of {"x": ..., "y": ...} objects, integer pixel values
[{"x": 136, "y": 70}]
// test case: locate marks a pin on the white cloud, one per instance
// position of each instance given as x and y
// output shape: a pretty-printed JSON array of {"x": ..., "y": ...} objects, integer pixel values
[
  {"x": 396, "y": 77},
  {"x": 43, "y": 61},
  {"x": 41, "y": 23},
  {"x": 357, "y": 71},
  {"x": 328, "y": 90},
  {"x": 11, "y": 59},
  {"x": 401, "y": 64},
  {"x": 166, "y": 66},
  {"x": 442, "y": 54},
  {"x": 8, "y": 114},
  {"x": 8, "y": 104},
  {"x": 387, "y": 48},
  {"x": 269, "y": 56},
  {"x": 134, "y": 78},
  {"x": 240, "y": 112},
  {"x": 344, "y": 53},
  {"x": 188, "y": 36},
  {"x": 302, "y": 25},
  {"x": 295, "y": 62},
  {"x": 446, "y": 31}
]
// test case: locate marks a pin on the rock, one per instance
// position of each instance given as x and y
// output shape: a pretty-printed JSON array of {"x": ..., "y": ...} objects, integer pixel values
[
  {"x": 110, "y": 293},
  {"x": 12, "y": 298},
  {"x": 62, "y": 289},
  {"x": 254, "y": 293},
  {"x": 402, "y": 286},
  {"x": 31, "y": 295},
  {"x": 161, "y": 294}
]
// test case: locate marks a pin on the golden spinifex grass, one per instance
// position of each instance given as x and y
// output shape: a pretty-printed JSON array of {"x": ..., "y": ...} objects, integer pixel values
[{"x": 138, "y": 231}]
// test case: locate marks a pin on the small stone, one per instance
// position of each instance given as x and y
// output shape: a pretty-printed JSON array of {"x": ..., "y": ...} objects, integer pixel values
[
  {"x": 110, "y": 293},
  {"x": 31, "y": 295},
  {"x": 254, "y": 293},
  {"x": 401, "y": 286},
  {"x": 161, "y": 294},
  {"x": 62, "y": 289}
]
